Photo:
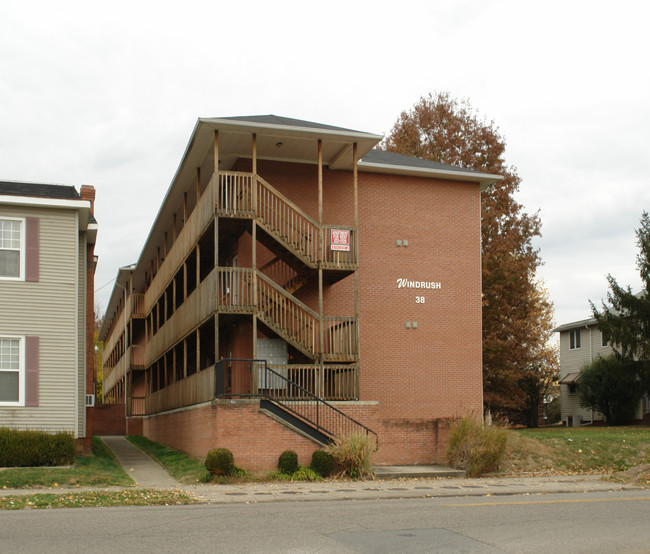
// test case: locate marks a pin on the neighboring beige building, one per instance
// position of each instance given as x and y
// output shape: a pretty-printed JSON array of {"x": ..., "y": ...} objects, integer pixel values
[
  {"x": 581, "y": 342},
  {"x": 47, "y": 238}
]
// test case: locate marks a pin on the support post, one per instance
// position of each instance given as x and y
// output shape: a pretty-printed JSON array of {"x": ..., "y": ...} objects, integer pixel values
[
  {"x": 321, "y": 330},
  {"x": 355, "y": 186}
]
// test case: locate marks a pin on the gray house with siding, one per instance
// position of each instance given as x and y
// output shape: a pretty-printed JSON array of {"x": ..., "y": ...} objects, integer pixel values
[
  {"x": 581, "y": 342},
  {"x": 47, "y": 266}
]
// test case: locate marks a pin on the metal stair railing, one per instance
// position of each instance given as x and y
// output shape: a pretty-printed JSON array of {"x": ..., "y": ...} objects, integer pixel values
[{"x": 246, "y": 378}]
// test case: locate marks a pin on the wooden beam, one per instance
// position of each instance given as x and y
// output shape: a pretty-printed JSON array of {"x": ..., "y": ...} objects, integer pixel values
[
  {"x": 355, "y": 186},
  {"x": 198, "y": 265},
  {"x": 198, "y": 350},
  {"x": 254, "y": 174},
  {"x": 320, "y": 181},
  {"x": 216, "y": 152},
  {"x": 337, "y": 157},
  {"x": 184, "y": 358},
  {"x": 198, "y": 184},
  {"x": 184, "y": 208},
  {"x": 321, "y": 330},
  {"x": 174, "y": 228}
]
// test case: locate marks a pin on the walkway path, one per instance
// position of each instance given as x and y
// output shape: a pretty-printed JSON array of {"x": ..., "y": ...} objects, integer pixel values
[{"x": 144, "y": 470}]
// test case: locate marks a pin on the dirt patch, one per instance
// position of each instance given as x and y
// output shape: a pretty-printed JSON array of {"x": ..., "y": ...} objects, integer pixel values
[
  {"x": 526, "y": 455},
  {"x": 639, "y": 475}
]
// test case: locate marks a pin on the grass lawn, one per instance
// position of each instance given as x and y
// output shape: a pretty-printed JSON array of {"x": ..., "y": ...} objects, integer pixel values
[
  {"x": 180, "y": 466},
  {"x": 98, "y": 470},
  {"x": 126, "y": 497},
  {"x": 571, "y": 450}
]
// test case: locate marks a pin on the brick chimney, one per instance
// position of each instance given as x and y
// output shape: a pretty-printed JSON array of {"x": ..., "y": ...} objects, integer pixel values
[{"x": 87, "y": 192}]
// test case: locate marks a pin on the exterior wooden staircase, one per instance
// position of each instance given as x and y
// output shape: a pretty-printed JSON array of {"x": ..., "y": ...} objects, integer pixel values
[{"x": 299, "y": 244}]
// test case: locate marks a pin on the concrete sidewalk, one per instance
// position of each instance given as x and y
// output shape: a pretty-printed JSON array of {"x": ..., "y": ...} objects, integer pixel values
[
  {"x": 147, "y": 473},
  {"x": 143, "y": 469},
  {"x": 400, "y": 488}
]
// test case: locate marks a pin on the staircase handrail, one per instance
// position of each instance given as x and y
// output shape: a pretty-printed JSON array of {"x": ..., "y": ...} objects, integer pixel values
[
  {"x": 282, "y": 197},
  {"x": 286, "y": 294},
  {"x": 304, "y": 393}
]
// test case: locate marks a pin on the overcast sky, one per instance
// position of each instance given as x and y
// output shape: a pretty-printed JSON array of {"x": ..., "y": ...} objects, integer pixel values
[{"x": 108, "y": 93}]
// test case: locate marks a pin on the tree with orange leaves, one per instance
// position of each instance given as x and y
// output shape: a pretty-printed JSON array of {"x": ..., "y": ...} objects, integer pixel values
[{"x": 517, "y": 319}]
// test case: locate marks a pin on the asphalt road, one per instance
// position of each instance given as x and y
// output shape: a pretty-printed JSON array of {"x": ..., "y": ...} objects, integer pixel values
[{"x": 578, "y": 522}]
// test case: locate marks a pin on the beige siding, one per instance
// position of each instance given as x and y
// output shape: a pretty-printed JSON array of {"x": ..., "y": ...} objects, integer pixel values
[
  {"x": 572, "y": 361},
  {"x": 47, "y": 309},
  {"x": 81, "y": 336}
]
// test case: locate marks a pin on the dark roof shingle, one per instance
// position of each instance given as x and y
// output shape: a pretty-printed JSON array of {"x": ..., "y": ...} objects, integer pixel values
[
  {"x": 39, "y": 190},
  {"x": 392, "y": 158},
  {"x": 285, "y": 121}
]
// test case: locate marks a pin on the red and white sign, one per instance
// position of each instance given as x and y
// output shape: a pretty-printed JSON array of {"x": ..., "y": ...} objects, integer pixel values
[{"x": 340, "y": 240}]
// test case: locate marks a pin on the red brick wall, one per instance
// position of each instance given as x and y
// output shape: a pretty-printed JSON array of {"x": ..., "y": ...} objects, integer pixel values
[
  {"x": 255, "y": 439},
  {"x": 423, "y": 377},
  {"x": 108, "y": 419},
  {"x": 415, "y": 380}
]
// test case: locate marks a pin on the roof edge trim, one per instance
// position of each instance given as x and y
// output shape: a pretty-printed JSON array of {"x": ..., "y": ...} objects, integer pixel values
[{"x": 484, "y": 179}]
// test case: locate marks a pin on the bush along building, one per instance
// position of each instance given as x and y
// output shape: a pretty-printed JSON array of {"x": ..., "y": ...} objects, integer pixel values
[
  {"x": 47, "y": 267},
  {"x": 297, "y": 285}
]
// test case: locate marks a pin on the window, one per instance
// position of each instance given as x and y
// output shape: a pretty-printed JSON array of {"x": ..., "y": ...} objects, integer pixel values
[
  {"x": 574, "y": 339},
  {"x": 573, "y": 388},
  {"x": 12, "y": 371},
  {"x": 604, "y": 341},
  {"x": 11, "y": 248}
]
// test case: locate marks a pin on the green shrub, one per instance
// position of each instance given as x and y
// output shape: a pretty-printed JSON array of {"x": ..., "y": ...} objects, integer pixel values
[
  {"x": 288, "y": 462},
  {"x": 305, "y": 474},
  {"x": 611, "y": 386},
  {"x": 475, "y": 448},
  {"x": 351, "y": 455},
  {"x": 35, "y": 448},
  {"x": 321, "y": 462},
  {"x": 220, "y": 461}
]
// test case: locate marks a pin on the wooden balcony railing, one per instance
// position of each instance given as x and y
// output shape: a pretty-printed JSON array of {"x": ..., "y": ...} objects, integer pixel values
[
  {"x": 195, "y": 225},
  {"x": 284, "y": 220},
  {"x": 287, "y": 316},
  {"x": 338, "y": 255},
  {"x": 197, "y": 388},
  {"x": 287, "y": 222},
  {"x": 235, "y": 290},
  {"x": 138, "y": 356},
  {"x": 115, "y": 374},
  {"x": 331, "y": 382},
  {"x": 198, "y": 306},
  {"x": 135, "y": 406},
  {"x": 341, "y": 339},
  {"x": 235, "y": 194},
  {"x": 137, "y": 305}
]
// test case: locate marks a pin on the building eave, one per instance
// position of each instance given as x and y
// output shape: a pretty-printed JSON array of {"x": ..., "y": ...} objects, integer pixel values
[
  {"x": 485, "y": 180},
  {"x": 83, "y": 206}
]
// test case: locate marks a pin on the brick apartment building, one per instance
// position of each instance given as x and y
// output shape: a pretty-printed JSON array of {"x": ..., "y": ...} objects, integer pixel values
[{"x": 353, "y": 274}]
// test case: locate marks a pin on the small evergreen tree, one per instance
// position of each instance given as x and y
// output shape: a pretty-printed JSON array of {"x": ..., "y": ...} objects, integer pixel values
[
  {"x": 611, "y": 387},
  {"x": 625, "y": 318}
]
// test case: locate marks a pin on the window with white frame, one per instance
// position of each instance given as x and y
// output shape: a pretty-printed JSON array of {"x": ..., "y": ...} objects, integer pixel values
[
  {"x": 604, "y": 341},
  {"x": 11, "y": 248},
  {"x": 574, "y": 339},
  {"x": 12, "y": 371}
]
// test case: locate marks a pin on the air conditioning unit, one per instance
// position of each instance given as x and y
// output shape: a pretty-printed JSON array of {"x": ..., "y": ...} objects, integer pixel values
[{"x": 90, "y": 400}]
